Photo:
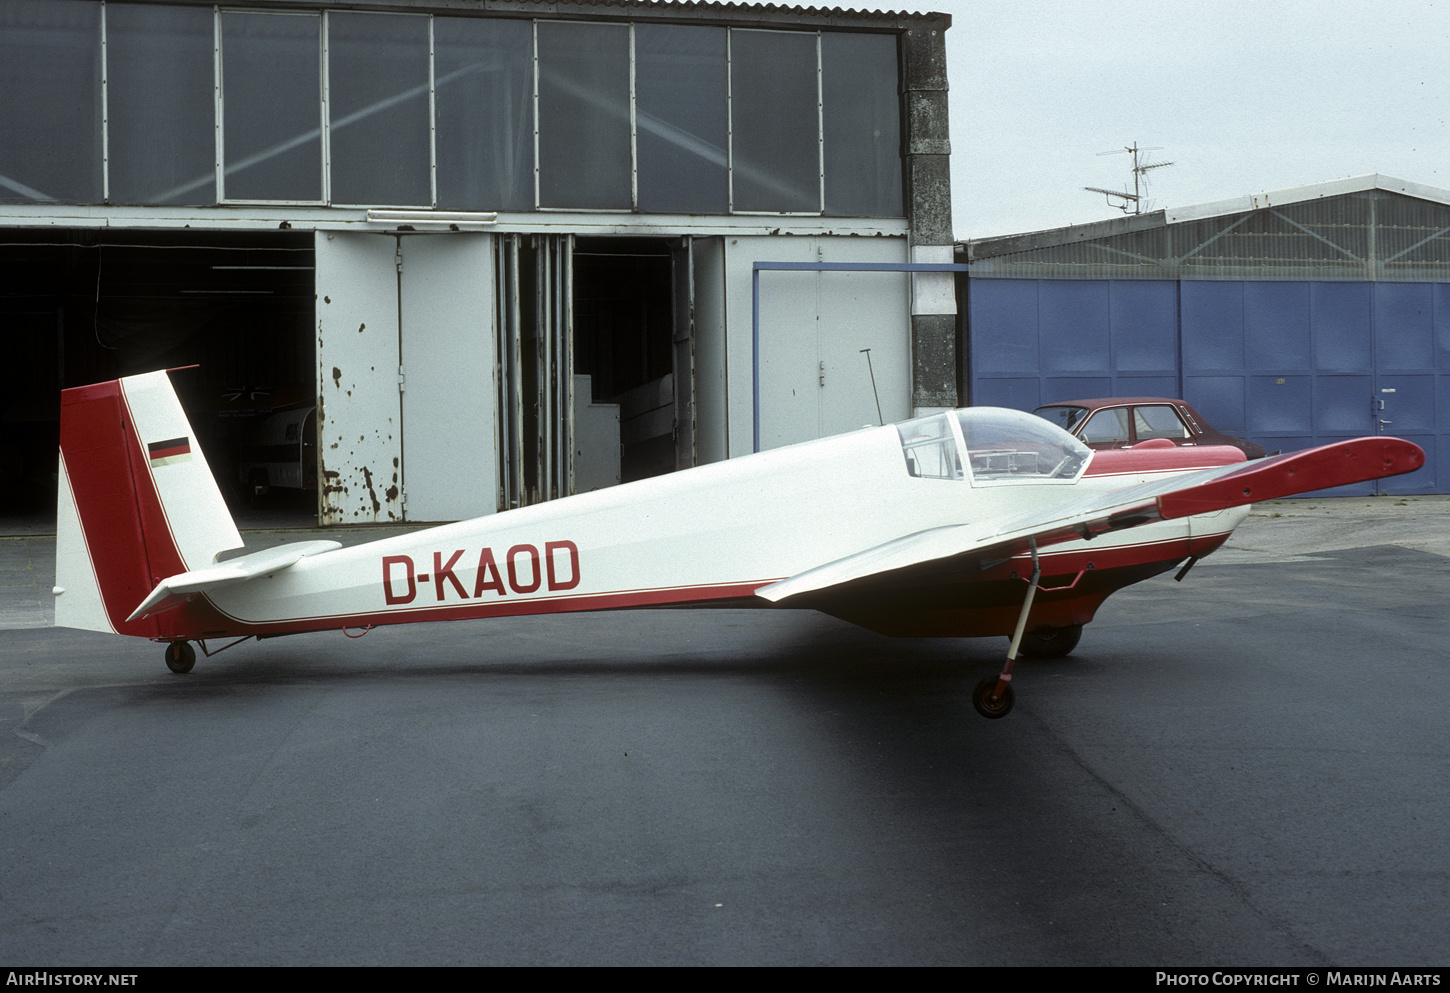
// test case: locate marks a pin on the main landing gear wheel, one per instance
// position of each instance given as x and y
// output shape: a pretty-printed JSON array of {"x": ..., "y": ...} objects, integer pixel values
[
  {"x": 180, "y": 657},
  {"x": 1050, "y": 643},
  {"x": 982, "y": 699}
]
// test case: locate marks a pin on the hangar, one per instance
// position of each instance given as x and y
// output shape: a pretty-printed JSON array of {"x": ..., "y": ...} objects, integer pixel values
[
  {"x": 449, "y": 257},
  {"x": 1292, "y": 318}
]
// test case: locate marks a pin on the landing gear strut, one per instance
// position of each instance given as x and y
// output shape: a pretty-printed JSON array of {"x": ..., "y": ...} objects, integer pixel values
[
  {"x": 180, "y": 657},
  {"x": 992, "y": 697}
]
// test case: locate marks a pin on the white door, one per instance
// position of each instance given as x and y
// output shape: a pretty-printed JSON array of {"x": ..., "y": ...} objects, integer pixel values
[
  {"x": 359, "y": 417},
  {"x": 815, "y": 375},
  {"x": 450, "y": 445}
]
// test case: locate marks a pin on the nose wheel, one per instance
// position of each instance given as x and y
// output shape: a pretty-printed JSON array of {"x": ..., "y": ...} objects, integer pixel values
[
  {"x": 180, "y": 657},
  {"x": 993, "y": 697}
]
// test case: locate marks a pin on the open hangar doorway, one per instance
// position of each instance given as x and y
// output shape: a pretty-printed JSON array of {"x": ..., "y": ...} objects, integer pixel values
[
  {"x": 597, "y": 360},
  {"x": 80, "y": 306},
  {"x": 635, "y": 334}
]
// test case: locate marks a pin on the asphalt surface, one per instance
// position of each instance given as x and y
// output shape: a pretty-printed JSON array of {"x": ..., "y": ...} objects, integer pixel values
[{"x": 1246, "y": 768}]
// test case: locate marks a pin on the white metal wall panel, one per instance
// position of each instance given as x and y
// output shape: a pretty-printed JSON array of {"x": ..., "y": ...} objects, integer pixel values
[
  {"x": 860, "y": 310},
  {"x": 789, "y": 366},
  {"x": 450, "y": 436},
  {"x": 359, "y": 424},
  {"x": 814, "y": 378}
]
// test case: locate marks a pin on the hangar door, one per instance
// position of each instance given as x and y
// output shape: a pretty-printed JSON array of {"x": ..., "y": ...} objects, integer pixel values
[
  {"x": 1288, "y": 364},
  {"x": 405, "y": 377},
  {"x": 834, "y": 346},
  {"x": 1303, "y": 364}
]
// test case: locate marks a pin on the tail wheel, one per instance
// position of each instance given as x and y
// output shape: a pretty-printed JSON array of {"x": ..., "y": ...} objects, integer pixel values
[
  {"x": 180, "y": 657},
  {"x": 1050, "y": 643},
  {"x": 989, "y": 702}
]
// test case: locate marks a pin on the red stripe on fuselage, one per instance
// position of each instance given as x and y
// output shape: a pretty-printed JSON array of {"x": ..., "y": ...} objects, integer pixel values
[{"x": 226, "y": 625}]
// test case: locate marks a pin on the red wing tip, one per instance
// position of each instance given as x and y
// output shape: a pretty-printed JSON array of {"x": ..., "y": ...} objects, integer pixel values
[
  {"x": 1337, "y": 464},
  {"x": 1403, "y": 456}
]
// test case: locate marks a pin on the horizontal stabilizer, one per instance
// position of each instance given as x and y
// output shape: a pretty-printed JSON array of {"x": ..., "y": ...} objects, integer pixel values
[
  {"x": 1181, "y": 495},
  {"x": 1339, "y": 464},
  {"x": 176, "y": 590}
]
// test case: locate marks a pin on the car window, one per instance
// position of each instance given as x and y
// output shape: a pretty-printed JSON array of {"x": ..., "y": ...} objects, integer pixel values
[
  {"x": 1064, "y": 417},
  {"x": 1106, "y": 427},
  {"x": 1160, "y": 421}
]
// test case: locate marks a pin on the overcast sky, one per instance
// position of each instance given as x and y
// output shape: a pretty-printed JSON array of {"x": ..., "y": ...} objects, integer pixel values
[{"x": 1243, "y": 97}]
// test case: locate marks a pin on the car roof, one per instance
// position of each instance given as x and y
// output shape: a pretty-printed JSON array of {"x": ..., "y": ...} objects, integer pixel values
[{"x": 1109, "y": 402}]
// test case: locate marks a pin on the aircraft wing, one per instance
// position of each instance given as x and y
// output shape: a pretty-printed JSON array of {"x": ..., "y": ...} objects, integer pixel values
[
  {"x": 1200, "y": 492},
  {"x": 175, "y": 590}
]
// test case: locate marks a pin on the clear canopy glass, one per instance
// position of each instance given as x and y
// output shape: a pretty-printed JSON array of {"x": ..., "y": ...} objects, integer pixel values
[
  {"x": 1014, "y": 445},
  {"x": 1001, "y": 445}
]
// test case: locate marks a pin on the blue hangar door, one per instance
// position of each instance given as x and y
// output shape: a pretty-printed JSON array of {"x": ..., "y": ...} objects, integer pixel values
[{"x": 1288, "y": 364}]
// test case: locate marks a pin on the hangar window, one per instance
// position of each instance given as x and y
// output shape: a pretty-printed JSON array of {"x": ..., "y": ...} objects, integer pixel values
[
  {"x": 50, "y": 115},
  {"x": 860, "y": 106},
  {"x": 680, "y": 118},
  {"x": 775, "y": 119},
  {"x": 182, "y": 104},
  {"x": 483, "y": 80},
  {"x": 380, "y": 151},
  {"x": 585, "y": 151},
  {"x": 160, "y": 105},
  {"x": 271, "y": 107}
]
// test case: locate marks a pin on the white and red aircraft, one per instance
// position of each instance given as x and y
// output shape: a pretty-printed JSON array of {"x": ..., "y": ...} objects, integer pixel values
[{"x": 976, "y": 522}]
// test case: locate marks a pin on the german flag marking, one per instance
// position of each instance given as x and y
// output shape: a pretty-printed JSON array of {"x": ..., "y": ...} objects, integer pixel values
[{"x": 169, "y": 451}]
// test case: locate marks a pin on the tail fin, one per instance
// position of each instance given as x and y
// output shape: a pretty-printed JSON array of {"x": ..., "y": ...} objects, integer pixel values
[{"x": 137, "y": 503}]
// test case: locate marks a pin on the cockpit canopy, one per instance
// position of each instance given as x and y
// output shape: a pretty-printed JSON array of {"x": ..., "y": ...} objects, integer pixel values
[{"x": 1001, "y": 445}]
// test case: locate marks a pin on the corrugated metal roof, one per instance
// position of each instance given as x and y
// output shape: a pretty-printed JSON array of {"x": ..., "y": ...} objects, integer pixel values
[
  {"x": 1367, "y": 228},
  {"x": 715, "y": 10},
  {"x": 1314, "y": 191},
  {"x": 1075, "y": 233}
]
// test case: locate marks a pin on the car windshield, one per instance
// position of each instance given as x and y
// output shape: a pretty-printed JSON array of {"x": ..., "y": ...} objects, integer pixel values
[
  {"x": 1066, "y": 418},
  {"x": 1012, "y": 445}
]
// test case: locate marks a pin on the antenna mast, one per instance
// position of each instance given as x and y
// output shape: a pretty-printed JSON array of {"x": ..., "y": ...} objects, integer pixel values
[{"x": 1132, "y": 203}]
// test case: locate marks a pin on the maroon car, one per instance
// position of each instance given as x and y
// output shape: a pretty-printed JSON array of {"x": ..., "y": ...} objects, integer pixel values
[{"x": 1121, "y": 422}]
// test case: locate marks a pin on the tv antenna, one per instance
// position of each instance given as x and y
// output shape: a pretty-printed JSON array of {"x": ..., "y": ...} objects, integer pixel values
[{"x": 1132, "y": 203}]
